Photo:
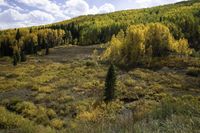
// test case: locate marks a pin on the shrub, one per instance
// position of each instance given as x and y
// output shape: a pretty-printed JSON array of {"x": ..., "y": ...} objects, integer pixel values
[
  {"x": 51, "y": 113},
  {"x": 28, "y": 109},
  {"x": 57, "y": 123}
]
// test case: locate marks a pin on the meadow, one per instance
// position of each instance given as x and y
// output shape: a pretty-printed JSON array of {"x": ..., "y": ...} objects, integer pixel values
[{"x": 56, "y": 93}]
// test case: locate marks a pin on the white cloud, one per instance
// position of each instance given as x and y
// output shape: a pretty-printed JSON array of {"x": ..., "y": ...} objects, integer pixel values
[
  {"x": 38, "y": 16},
  {"x": 11, "y": 15},
  {"x": 47, "y": 6},
  {"x": 2, "y": 2},
  {"x": 106, "y": 8},
  {"x": 12, "y": 18},
  {"x": 81, "y": 7},
  {"x": 75, "y": 7}
]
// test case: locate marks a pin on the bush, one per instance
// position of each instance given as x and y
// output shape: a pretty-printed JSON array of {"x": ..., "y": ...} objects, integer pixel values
[
  {"x": 57, "y": 123},
  {"x": 28, "y": 109}
]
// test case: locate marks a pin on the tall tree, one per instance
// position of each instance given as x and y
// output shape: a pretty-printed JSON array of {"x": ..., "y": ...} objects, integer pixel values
[
  {"x": 110, "y": 84},
  {"x": 18, "y": 35}
]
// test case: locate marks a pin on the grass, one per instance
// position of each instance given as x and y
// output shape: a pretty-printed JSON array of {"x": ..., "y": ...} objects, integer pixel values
[
  {"x": 173, "y": 115},
  {"x": 65, "y": 95}
]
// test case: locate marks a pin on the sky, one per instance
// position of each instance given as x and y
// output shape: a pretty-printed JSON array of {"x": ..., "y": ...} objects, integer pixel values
[{"x": 23, "y": 13}]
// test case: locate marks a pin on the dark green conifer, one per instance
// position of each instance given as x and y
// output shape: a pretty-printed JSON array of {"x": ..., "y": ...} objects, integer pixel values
[
  {"x": 18, "y": 35},
  {"x": 110, "y": 84},
  {"x": 30, "y": 30}
]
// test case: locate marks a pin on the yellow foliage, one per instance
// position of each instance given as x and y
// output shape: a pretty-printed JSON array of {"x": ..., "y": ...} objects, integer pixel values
[
  {"x": 57, "y": 123},
  {"x": 182, "y": 47},
  {"x": 142, "y": 43},
  {"x": 93, "y": 115}
]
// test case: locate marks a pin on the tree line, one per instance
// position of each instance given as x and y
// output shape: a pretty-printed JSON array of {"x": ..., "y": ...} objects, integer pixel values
[
  {"x": 182, "y": 19},
  {"x": 140, "y": 43}
]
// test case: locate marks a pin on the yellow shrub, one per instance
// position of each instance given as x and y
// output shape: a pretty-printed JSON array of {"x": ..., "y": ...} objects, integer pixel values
[{"x": 57, "y": 123}]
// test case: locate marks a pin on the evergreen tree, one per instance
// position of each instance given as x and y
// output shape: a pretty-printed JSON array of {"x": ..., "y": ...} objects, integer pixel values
[
  {"x": 14, "y": 60},
  {"x": 18, "y": 35},
  {"x": 23, "y": 56},
  {"x": 110, "y": 84},
  {"x": 30, "y": 31}
]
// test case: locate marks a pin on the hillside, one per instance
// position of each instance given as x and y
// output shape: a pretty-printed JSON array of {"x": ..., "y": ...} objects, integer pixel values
[
  {"x": 134, "y": 71},
  {"x": 182, "y": 19}
]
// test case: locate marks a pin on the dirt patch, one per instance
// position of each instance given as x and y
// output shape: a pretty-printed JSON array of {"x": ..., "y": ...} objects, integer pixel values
[{"x": 65, "y": 54}]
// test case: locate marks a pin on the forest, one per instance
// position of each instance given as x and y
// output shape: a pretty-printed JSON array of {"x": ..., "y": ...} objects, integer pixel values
[{"x": 131, "y": 71}]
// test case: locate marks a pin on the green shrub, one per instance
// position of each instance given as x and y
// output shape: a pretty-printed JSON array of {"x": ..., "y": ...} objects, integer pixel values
[
  {"x": 91, "y": 63},
  {"x": 28, "y": 109}
]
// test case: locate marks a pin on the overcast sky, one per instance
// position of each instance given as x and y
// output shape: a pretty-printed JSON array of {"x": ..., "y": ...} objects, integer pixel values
[{"x": 20, "y": 13}]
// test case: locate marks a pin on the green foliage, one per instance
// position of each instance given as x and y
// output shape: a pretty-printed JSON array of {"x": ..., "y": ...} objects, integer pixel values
[
  {"x": 18, "y": 35},
  {"x": 29, "y": 42},
  {"x": 110, "y": 84}
]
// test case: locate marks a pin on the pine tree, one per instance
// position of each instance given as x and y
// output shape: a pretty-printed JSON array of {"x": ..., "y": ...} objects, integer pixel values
[
  {"x": 110, "y": 84},
  {"x": 30, "y": 31},
  {"x": 18, "y": 35},
  {"x": 23, "y": 56},
  {"x": 14, "y": 60}
]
